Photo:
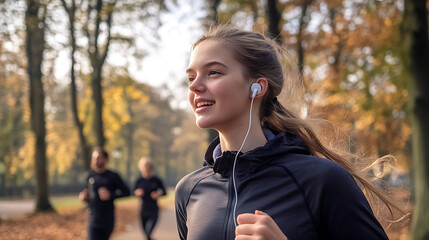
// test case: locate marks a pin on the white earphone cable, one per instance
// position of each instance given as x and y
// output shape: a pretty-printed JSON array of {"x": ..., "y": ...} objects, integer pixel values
[{"x": 235, "y": 163}]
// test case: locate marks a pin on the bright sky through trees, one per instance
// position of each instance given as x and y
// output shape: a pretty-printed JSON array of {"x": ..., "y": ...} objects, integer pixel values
[
  {"x": 166, "y": 58},
  {"x": 166, "y": 64}
]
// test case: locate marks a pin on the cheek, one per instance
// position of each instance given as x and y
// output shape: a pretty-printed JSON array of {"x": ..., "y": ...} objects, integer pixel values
[
  {"x": 232, "y": 95},
  {"x": 224, "y": 91}
]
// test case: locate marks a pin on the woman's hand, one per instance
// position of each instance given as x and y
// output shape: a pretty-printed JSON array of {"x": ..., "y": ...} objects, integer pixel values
[{"x": 257, "y": 226}]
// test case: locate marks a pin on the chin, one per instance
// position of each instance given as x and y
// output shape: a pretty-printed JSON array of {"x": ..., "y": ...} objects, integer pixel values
[{"x": 204, "y": 124}]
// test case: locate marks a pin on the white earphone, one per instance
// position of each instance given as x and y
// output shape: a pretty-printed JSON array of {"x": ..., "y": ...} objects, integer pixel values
[{"x": 255, "y": 88}]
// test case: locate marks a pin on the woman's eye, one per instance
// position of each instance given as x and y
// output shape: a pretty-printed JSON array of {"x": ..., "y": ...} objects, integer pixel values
[
  {"x": 212, "y": 72},
  {"x": 190, "y": 78}
]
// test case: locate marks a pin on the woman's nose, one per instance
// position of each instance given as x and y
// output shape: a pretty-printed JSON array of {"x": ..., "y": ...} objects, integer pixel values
[{"x": 197, "y": 85}]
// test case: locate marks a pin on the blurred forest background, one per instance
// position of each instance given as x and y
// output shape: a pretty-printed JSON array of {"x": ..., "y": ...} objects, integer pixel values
[
  {"x": 98, "y": 104},
  {"x": 350, "y": 55}
]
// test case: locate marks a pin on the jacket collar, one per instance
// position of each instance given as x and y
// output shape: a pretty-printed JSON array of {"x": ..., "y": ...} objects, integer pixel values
[
  {"x": 277, "y": 144},
  {"x": 217, "y": 151}
]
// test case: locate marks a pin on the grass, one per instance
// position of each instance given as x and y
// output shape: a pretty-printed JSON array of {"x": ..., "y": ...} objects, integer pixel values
[
  {"x": 162, "y": 201},
  {"x": 71, "y": 202},
  {"x": 67, "y": 202}
]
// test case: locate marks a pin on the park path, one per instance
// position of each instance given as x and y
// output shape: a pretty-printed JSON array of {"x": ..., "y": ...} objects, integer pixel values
[
  {"x": 165, "y": 229},
  {"x": 14, "y": 208}
]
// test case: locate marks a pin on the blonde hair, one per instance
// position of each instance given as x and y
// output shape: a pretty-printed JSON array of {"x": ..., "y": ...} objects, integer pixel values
[
  {"x": 145, "y": 160},
  {"x": 262, "y": 57}
]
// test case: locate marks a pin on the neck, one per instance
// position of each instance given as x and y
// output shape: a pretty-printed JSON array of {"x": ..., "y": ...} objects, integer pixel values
[
  {"x": 100, "y": 170},
  {"x": 232, "y": 140},
  {"x": 232, "y": 137}
]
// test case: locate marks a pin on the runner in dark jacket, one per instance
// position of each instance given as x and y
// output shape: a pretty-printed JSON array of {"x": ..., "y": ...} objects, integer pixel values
[
  {"x": 267, "y": 176},
  {"x": 308, "y": 197},
  {"x": 149, "y": 188},
  {"x": 102, "y": 188}
]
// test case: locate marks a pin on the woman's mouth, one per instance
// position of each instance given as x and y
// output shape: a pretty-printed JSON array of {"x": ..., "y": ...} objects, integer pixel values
[
  {"x": 200, "y": 106},
  {"x": 205, "y": 103}
]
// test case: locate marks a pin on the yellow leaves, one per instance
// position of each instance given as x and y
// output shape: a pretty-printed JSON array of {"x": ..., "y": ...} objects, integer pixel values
[
  {"x": 118, "y": 100},
  {"x": 334, "y": 3},
  {"x": 406, "y": 132},
  {"x": 62, "y": 142},
  {"x": 389, "y": 99},
  {"x": 335, "y": 39},
  {"x": 115, "y": 104},
  {"x": 26, "y": 115},
  {"x": 121, "y": 98},
  {"x": 380, "y": 125},
  {"x": 136, "y": 94},
  {"x": 335, "y": 99},
  {"x": 25, "y": 158},
  {"x": 364, "y": 122},
  {"x": 115, "y": 95},
  {"x": 388, "y": 22}
]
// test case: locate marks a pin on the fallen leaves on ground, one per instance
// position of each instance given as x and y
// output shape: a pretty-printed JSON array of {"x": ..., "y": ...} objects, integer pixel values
[{"x": 64, "y": 225}]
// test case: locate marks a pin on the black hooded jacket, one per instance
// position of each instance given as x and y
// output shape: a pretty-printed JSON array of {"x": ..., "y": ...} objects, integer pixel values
[
  {"x": 308, "y": 197},
  {"x": 102, "y": 213}
]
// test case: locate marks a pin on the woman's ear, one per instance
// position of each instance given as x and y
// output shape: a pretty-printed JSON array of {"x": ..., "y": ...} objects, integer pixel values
[{"x": 263, "y": 82}]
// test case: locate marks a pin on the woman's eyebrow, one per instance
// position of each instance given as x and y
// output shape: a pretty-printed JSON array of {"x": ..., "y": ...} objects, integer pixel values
[{"x": 209, "y": 64}]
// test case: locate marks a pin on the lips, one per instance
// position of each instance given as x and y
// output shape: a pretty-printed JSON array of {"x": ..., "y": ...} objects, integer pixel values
[
  {"x": 205, "y": 103},
  {"x": 201, "y": 104}
]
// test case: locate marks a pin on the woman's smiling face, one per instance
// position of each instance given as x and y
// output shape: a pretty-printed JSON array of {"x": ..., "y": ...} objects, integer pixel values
[{"x": 218, "y": 90}]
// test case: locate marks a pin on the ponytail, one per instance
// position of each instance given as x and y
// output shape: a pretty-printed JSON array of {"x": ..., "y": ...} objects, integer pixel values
[{"x": 279, "y": 119}]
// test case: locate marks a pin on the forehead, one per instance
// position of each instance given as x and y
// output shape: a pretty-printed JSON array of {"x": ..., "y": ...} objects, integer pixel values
[
  {"x": 96, "y": 154},
  {"x": 211, "y": 51},
  {"x": 145, "y": 164}
]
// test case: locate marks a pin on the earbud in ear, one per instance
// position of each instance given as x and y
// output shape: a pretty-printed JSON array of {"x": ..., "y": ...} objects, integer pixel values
[{"x": 255, "y": 88}]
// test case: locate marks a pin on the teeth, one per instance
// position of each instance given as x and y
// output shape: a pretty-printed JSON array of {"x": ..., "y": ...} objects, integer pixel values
[{"x": 200, "y": 104}]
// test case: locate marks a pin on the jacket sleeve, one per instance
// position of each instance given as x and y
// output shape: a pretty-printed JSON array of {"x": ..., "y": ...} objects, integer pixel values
[
  {"x": 121, "y": 189},
  {"x": 86, "y": 185},
  {"x": 136, "y": 184},
  {"x": 181, "y": 197},
  {"x": 161, "y": 186},
  {"x": 344, "y": 210}
]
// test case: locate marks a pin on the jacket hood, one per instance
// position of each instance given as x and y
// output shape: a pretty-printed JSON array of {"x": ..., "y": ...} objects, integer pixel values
[{"x": 276, "y": 146}]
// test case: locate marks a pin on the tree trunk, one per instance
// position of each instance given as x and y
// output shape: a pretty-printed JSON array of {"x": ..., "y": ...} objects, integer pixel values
[
  {"x": 129, "y": 138},
  {"x": 97, "y": 59},
  {"x": 274, "y": 17},
  {"x": 416, "y": 62},
  {"x": 335, "y": 73},
  {"x": 97, "y": 97},
  {"x": 86, "y": 155},
  {"x": 35, "y": 46},
  {"x": 212, "y": 15},
  {"x": 2, "y": 180},
  {"x": 302, "y": 26}
]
